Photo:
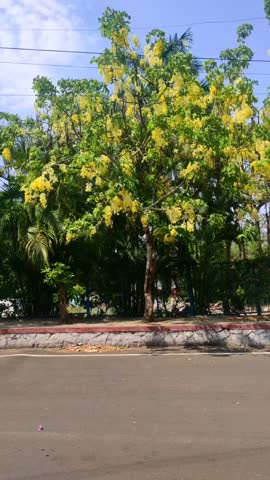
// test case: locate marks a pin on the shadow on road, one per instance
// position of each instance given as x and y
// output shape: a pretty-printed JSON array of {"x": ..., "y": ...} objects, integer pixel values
[{"x": 211, "y": 350}]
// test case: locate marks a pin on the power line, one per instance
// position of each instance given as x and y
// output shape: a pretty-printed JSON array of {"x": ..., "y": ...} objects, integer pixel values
[
  {"x": 47, "y": 64},
  {"x": 100, "y": 53},
  {"x": 207, "y": 22},
  {"x": 91, "y": 67},
  {"x": 190, "y": 24},
  {"x": 256, "y": 60},
  {"x": 50, "y": 50},
  {"x": 257, "y": 74}
]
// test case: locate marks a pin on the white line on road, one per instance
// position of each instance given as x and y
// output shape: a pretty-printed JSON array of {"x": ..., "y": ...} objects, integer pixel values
[{"x": 154, "y": 354}]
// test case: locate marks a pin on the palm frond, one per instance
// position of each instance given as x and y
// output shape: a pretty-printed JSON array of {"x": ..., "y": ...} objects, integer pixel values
[{"x": 39, "y": 246}]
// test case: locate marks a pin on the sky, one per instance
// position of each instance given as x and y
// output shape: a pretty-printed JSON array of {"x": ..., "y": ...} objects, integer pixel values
[{"x": 23, "y": 23}]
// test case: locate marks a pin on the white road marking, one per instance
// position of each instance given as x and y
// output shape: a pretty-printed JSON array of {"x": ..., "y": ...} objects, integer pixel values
[{"x": 153, "y": 354}]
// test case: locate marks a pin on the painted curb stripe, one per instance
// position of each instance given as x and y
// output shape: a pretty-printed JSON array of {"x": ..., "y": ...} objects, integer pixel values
[{"x": 135, "y": 329}]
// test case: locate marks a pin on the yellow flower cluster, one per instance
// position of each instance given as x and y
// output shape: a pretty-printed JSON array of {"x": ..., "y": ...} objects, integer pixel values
[
  {"x": 230, "y": 151},
  {"x": 197, "y": 123},
  {"x": 158, "y": 137},
  {"x": 261, "y": 146},
  {"x": 120, "y": 203},
  {"x": 134, "y": 207},
  {"x": 155, "y": 61},
  {"x": 99, "y": 181},
  {"x": 154, "y": 55},
  {"x": 114, "y": 133},
  {"x": 116, "y": 204},
  {"x": 106, "y": 72},
  {"x": 89, "y": 171},
  {"x": 238, "y": 81},
  {"x": 190, "y": 226},
  {"x": 103, "y": 164},
  {"x": 174, "y": 214},
  {"x": 135, "y": 41},
  {"x": 195, "y": 96},
  {"x": 134, "y": 55},
  {"x": 170, "y": 237},
  {"x": 163, "y": 183},
  {"x": 43, "y": 200},
  {"x": 108, "y": 216},
  {"x": 98, "y": 106},
  {"x": 191, "y": 168},
  {"x": 41, "y": 184},
  {"x": 121, "y": 38},
  {"x": 158, "y": 48},
  {"x": 243, "y": 114},
  {"x": 83, "y": 101},
  {"x": 177, "y": 85},
  {"x": 127, "y": 199},
  {"x": 6, "y": 154},
  {"x": 161, "y": 108},
  {"x": 212, "y": 92},
  {"x": 70, "y": 236},
  {"x": 75, "y": 119},
  {"x": 227, "y": 119},
  {"x": 194, "y": 90},
  {"x": 144, "y": 220},
  {"x": 126, "y": 164},
  {"x": 27, "y": 195},
  {"x": 203, "y": 152}
]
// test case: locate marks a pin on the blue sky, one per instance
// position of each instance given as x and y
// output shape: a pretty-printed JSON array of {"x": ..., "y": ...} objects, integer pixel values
[{"x": 209, "y": 39}]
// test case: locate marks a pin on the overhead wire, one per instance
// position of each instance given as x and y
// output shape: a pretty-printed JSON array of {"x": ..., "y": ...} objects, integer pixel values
[
  {"x": 188, "y": 24},
  {"x": 91, "y": 67},
  {"x": 86, "y": 52}
]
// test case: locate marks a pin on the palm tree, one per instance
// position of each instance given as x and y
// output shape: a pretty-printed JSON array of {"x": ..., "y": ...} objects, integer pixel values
[
  {"x": 42, "y": 235},
  {"x": 182, "y": 45}
]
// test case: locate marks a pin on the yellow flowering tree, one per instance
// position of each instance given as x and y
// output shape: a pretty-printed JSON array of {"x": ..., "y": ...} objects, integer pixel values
[
  {"x": 148, "y": 160},
  {"x": 165, "y": 144}
]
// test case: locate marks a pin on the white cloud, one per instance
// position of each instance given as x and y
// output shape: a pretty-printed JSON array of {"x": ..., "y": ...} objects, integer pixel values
[{"x": 50, "y": 14}]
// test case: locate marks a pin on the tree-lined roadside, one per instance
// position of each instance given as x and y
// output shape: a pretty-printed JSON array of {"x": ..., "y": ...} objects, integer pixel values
[{"x": 155, "y": 178}]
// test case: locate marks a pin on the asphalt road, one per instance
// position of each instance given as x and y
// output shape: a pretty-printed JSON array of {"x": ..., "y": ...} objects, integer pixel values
[{"x": 131, "y": 418}]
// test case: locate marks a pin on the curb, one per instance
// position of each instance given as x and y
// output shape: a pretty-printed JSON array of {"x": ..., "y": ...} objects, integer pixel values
[{"x": 226, "y": 335}]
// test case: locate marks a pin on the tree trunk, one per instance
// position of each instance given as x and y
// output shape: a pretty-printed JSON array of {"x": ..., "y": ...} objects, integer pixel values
[
  {"x": 190, "y": 292},
  {"x": 228, "y": 258},
  {"x": 267, "y": 215},
  {"x": 228, "y": 252},
  {"x": 149, "y": 276},
  {"x": 62, "y": 303},
  {"x": 259, "y": 241}
]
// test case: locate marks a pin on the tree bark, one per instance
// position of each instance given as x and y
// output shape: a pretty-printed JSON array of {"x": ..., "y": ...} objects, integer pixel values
[
  {"x": 149, "y": 276},
  {"x": 228, "y": 254},
  {"x": 190, "y": 292},
  {"x": 259, "y": 241},
  {"x": 62, "y": 303},
  {"x": 267, "y": 215}
]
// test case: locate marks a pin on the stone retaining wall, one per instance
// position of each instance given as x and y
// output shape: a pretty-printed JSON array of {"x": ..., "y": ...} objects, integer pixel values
[{"x": 222, "y": 335}]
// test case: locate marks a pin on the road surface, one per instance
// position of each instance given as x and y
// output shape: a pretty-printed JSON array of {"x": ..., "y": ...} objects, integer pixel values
[{"x": 186, "y": 417}]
